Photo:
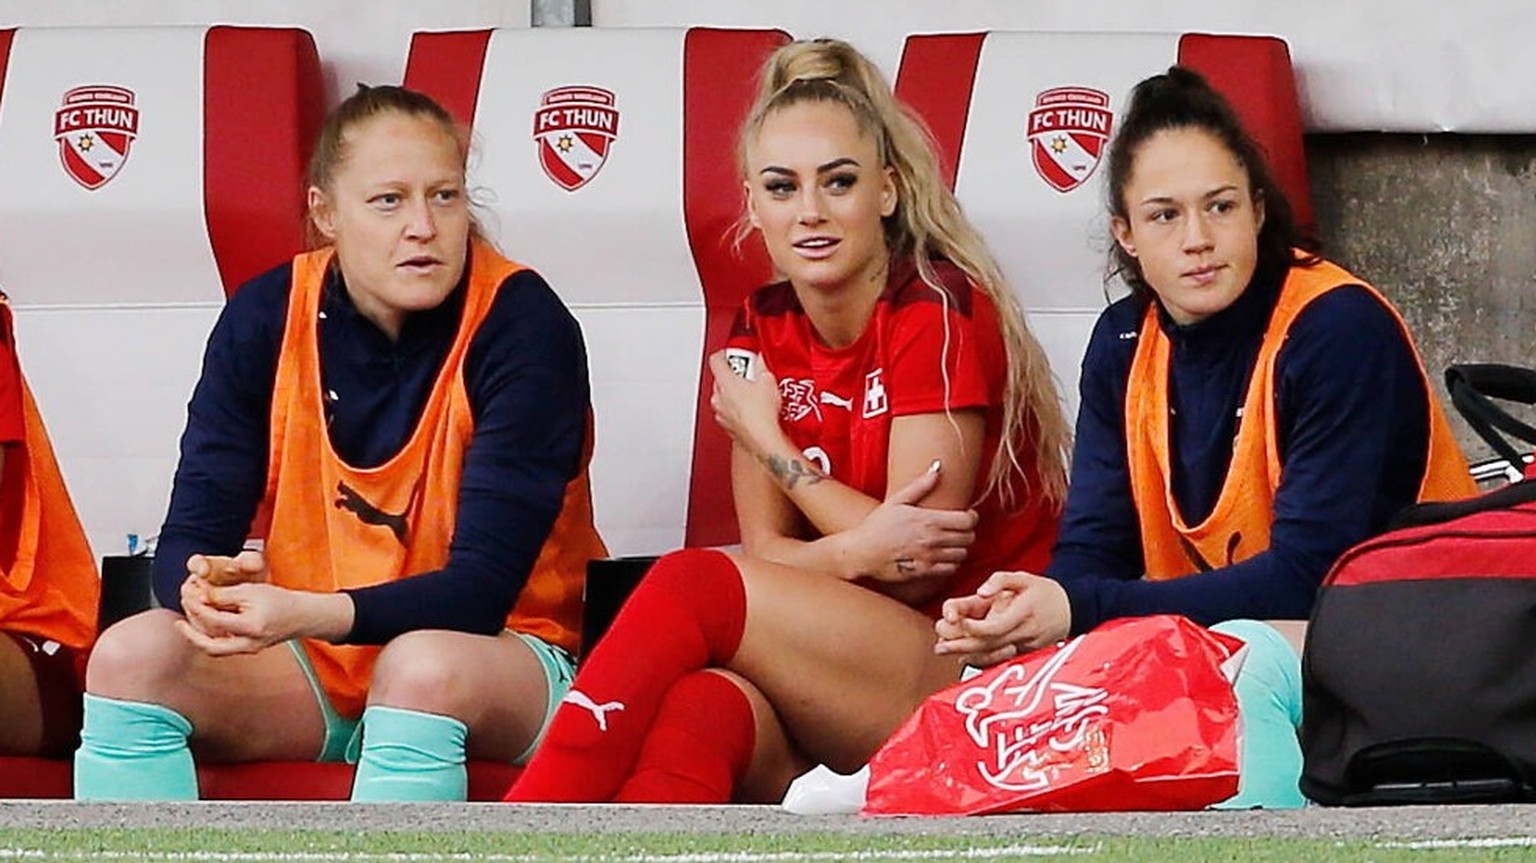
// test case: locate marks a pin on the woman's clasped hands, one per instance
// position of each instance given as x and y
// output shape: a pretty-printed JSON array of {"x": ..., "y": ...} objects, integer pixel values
[
  {"x": 230, "y": 608},
  {"x": 1010, "y": 614}
]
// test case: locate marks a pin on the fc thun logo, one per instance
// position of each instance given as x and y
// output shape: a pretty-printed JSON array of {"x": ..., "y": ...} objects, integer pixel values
[{"x": 95, "y": 128}]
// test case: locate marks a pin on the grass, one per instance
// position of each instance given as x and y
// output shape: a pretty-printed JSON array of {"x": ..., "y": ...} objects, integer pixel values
[{"x": 212, "y": 845}]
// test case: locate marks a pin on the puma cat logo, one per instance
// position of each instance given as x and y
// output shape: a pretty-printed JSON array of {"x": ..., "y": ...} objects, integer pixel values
[
  {"x": 367, "y": 513},
  {"x": 599, "y": 711},
  {"x": 1199, "y": 560}
]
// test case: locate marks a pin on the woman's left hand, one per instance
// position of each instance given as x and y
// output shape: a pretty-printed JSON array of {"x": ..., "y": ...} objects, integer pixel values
[
  {"x": 899, "y": 541},
  {"x": 1011, "y": 613},
  {"x": 748, "y": 410},
  {"x": 239, "y": 618}
]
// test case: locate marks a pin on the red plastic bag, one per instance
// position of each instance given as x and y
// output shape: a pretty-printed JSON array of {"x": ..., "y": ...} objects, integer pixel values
[{"x": 1138, "y": 714}]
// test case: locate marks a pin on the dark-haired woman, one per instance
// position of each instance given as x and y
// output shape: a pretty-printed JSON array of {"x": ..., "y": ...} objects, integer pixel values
[
  {"x": 1248, "y": 413},
  {"x": 410, "y": 410}
]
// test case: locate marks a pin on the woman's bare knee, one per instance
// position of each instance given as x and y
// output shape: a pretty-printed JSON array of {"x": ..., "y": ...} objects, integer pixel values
[
  {"x": 423, "y": 671},
  {"x": 136, "y": 658},
  {"x": 494, "y": 685}
]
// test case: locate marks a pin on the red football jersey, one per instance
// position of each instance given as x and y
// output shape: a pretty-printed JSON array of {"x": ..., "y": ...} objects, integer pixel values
[{"x": 924, "y": 349}]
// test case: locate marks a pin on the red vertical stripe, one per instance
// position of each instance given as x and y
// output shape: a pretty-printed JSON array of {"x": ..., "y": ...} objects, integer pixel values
[
  {"x": 262, "y": 106},
  {"x": 720, "y": 71},
  {"x": 936, "y": 78},
  {"x": 448, "y": 67},
  {"x": 5, "y": 65},
  {"x": 1254, "y": 73},
  {"x": 5, "y": 61}
]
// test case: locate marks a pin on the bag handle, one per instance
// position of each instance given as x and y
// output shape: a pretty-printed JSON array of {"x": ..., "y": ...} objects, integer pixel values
[
  {"x": 1473, "y": 386},
  {"x": 1436, "y": 512}
]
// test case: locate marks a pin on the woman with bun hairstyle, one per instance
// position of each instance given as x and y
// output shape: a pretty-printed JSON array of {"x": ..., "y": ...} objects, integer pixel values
[
  {"x": 1249, "y": 412},
  {"x": 402, "y": 414},
  {"x": 897, "y": 437}
]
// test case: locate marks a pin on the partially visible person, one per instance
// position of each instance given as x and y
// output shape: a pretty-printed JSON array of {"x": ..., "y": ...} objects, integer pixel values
[
  {"x": 1249, "y": 412},
  {"x": 897, "y": 437},
  {"x": 49, "y": 587},
  {"x": 410, "y": 412}
]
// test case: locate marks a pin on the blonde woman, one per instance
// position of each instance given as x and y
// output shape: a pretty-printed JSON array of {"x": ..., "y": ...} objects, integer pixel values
[{"x": 897, "y": 437}]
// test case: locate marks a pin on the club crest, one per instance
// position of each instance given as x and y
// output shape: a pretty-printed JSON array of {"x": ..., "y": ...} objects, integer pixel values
[
  {"x": 95, "y": 127},
  {"x": 1068, "y": 131},
  {"x": 574, "y": 127}
]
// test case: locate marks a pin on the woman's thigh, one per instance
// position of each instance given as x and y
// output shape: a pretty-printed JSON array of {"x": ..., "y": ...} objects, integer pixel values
[
  {"x": 21, "y": 711},
  {"x": 843, "y": 666},
  {"x": 242, "y": 708},
  {"x": 495, "y": 685}
]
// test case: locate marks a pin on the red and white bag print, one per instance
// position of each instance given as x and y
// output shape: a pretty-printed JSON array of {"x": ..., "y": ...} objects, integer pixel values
[{"x": 1138, "y": 714}]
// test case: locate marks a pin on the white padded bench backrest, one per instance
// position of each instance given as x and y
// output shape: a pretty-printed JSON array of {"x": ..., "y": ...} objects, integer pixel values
[
  {"x": 144, "y": 174},
  {"x": 605, "y": 158}
]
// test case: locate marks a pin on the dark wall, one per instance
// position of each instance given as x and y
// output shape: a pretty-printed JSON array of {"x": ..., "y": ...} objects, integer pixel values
[{"x": 1445, "y": 226}]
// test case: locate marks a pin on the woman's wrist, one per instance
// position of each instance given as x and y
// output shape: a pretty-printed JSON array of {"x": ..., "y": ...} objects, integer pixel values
[
  {"x": 850, "y": 565},
  {"x": 324, "y": 616},
  {"x": 768, "y": 442}
]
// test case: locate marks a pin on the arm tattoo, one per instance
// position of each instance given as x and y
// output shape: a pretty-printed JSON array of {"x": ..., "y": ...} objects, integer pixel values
[{"x": 789, "y": 471}]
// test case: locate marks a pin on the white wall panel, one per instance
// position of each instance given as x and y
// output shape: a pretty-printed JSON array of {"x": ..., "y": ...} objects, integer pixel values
[
  {"x": 1362, "y": 66},
  {"x": 358, "y": 40}
]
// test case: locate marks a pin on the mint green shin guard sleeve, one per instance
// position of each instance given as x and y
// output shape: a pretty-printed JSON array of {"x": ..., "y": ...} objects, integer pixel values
[
  {"x": 409, "y": 756},
  {"x": 1269, "y": 711},
  {"x": 133, "y": 750}
]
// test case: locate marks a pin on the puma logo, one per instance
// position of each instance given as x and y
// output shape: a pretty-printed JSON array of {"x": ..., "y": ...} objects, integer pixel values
[
  {"x": 1199, "y": 560},
  {"x": 599, "y": 711},
  {"x": 831, "y": 399},
  {"x": 367, "y": 513}
]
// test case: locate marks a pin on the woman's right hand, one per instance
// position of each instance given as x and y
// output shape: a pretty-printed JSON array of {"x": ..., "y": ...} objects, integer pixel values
[
  {"x": 217, "y": 569},
  {"x": 208, "y": 571},
  {"x": 900, "y": 541},
  {"x": 205, "y": 573},
  {"x": 748, "y": 410}
]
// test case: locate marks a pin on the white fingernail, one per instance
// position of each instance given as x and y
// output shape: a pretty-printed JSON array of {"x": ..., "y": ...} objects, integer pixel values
[{"x": 934, "y": 468}]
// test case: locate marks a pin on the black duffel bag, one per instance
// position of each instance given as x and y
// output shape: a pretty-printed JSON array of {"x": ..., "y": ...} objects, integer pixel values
[{"x": 1419, "y": 673}]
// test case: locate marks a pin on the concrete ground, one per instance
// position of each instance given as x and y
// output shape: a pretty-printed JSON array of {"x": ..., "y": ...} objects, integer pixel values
[{"x": 1516, "y": 823}]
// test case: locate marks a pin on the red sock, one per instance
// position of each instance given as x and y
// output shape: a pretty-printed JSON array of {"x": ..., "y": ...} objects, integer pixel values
[
  {"x": 699, "y": 747},
  {"x": 687, "y": 614}
]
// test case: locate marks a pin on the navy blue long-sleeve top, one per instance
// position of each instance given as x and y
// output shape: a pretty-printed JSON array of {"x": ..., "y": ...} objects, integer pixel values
[
  {"x": 525, "y": 371},
  {"x": 1353, "y": 429}
]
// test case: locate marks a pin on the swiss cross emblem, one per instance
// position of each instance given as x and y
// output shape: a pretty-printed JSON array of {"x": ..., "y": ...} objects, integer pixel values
[
  {"x": 95, "y": 128},
  {"x": 574, "y": 128},
  {"x": 797, "y": 399},
  {"x": 1025, "y": 728},
  {"x": 1068, "y": 131}
]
